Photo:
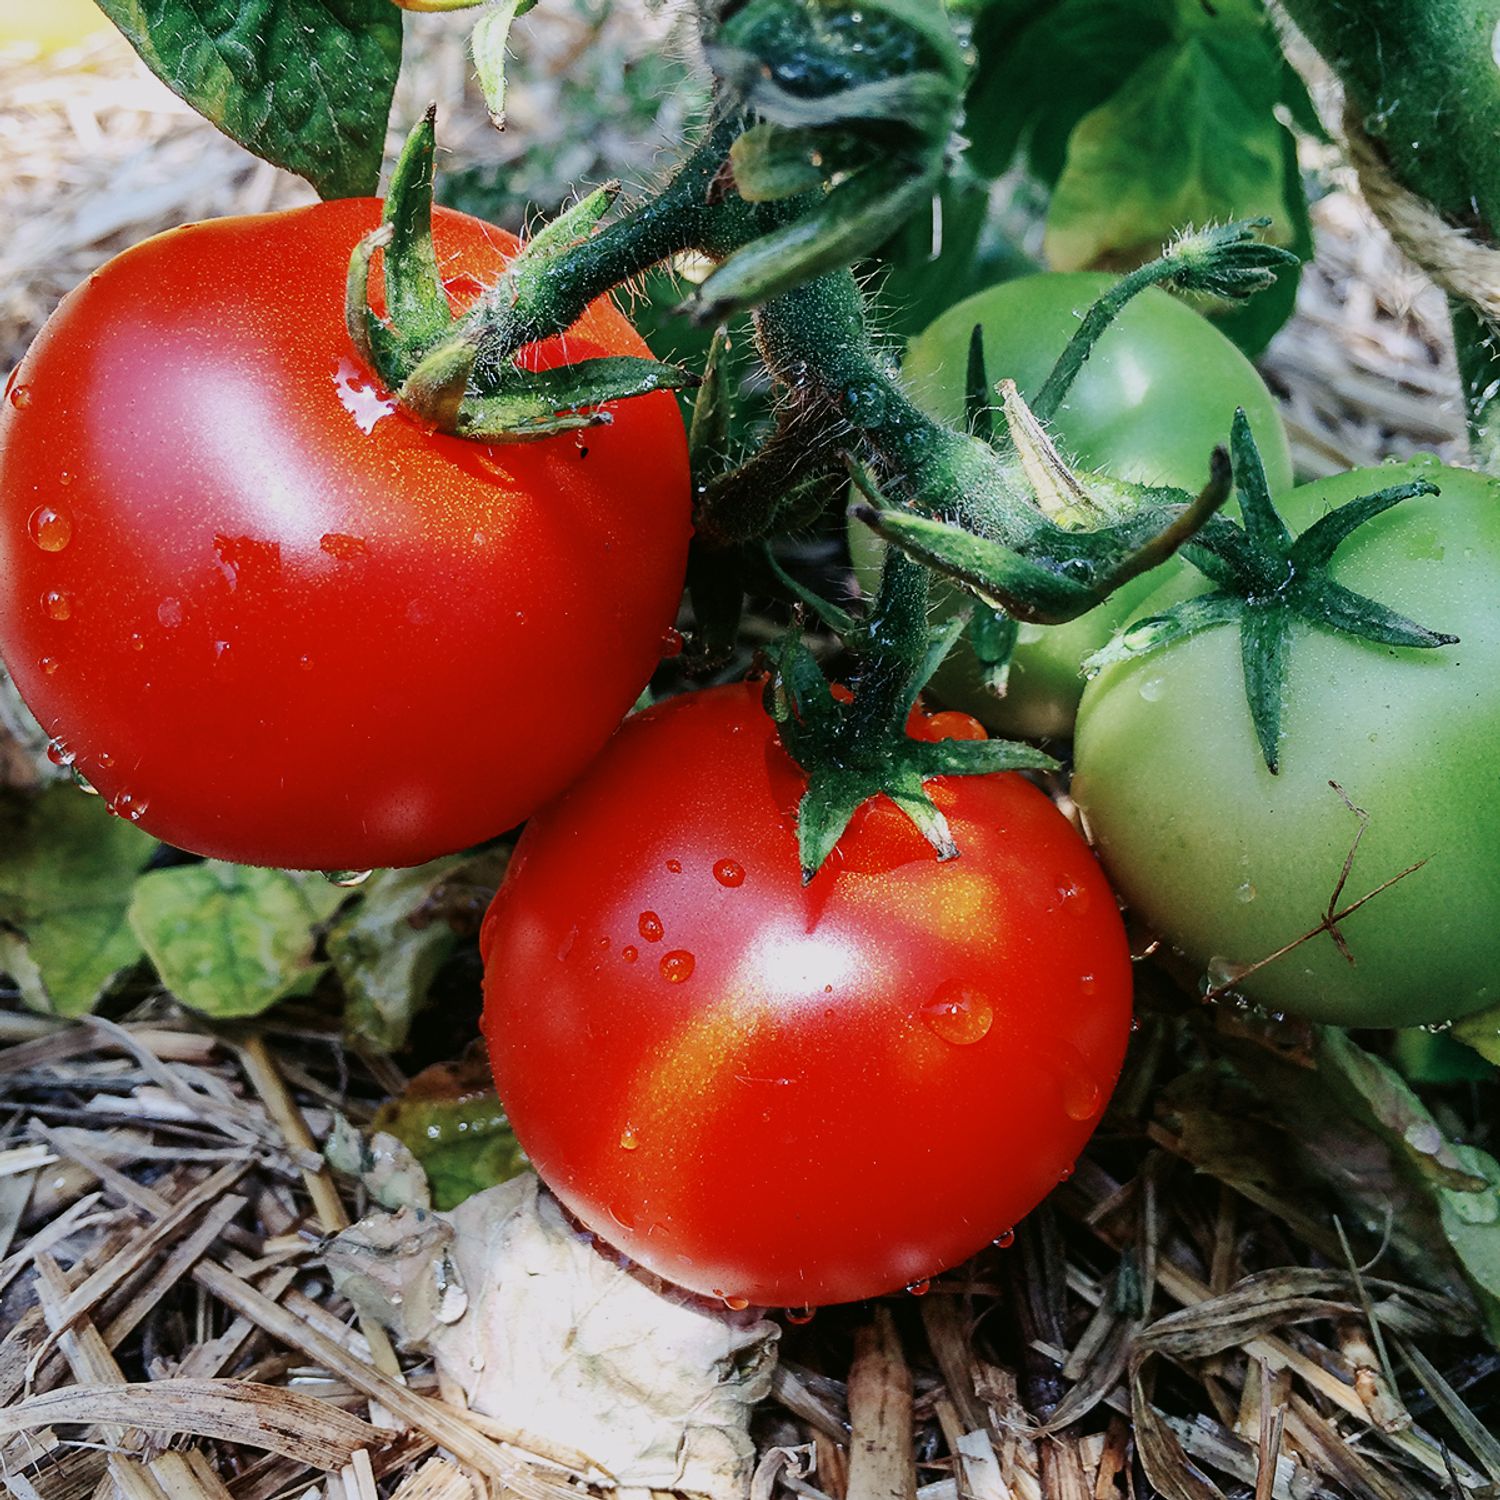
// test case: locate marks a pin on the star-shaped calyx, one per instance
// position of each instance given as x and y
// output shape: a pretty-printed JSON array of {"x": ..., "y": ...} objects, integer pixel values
[{"x": 1266, "y": 579}]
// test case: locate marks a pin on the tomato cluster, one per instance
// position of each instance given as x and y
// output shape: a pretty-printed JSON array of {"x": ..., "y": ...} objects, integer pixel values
[{"x": 273, "y": 618}]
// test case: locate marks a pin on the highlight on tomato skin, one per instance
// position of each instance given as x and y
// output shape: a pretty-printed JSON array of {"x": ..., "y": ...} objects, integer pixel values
[
  {"x": 269, "y": 616},
  {"x": 789, "y": 1095}
]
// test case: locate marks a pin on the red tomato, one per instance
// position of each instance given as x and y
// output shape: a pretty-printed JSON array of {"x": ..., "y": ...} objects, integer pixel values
[
  {"x": 273, "y": 619},
  {"x": 785, "y": 1094}
]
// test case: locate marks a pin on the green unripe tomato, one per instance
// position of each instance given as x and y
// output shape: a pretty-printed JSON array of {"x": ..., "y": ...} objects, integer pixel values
[
  {"x": 1229, "y": 863},
  {"x": 1153, "y": 401}
]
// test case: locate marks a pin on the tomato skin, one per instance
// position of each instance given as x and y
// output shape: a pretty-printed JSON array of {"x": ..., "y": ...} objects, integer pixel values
[
  {"x": 295, "y": 627},
  {"x": 744, "y": 1083},
  {"x": 1155, "y": 398},
  {"x": 1226, "y": 861}
]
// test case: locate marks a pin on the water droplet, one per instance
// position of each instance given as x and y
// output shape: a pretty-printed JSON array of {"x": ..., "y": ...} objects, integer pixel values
[
  {"x": 1088, "y": 984},
  {"x": 1073, "y": 895},
  {"x": 1139, "y": 636},
  {"x": 674, "y": 867},
  {"x": 65, "y": 479},
  {"x": 105, "y": 759},
  {"x": 51, "y": 529},
  {"x": 919, "y": 1288},
  {"x": 1079, "y": 569},
  {"x": 1066, "y": 1173},
  {"x": 1004, "y": 1240},
  {"x": 959, "y": 1014},
  {"x": 82, "y": 782},
  {"x": 1152, "y": 689},
  {"x": 629, "y": 955},
  {"x": 49, "y": 664},
  {"x": 359, "y": 397},
  {"x": 1245, "y": 893},
  {"x": 1081, "y": 1096},
  {"x": 169, "y": 612},
  {"x": 1222, "y": 974},
  {"x": 58, "y": 753},
  {"x": 305, "y": 662},
  {"x": 628, "y": 1139},
  {"x": 650, "y": 927},
  {"x": 346, "y": 880},
  {"x": 622, "y": 1215},
  {"x": 57, "y": 605},
  {"x": 677, "y": 966},
  {"x": 671, "y": 643},
  {"x": 137, "y": 642},
  {"x": 729, "y": 872},
  {"x": 20, "y": 397},
  {"x": 800, "y": 1316},
  {"x": 128, "y": 806}
]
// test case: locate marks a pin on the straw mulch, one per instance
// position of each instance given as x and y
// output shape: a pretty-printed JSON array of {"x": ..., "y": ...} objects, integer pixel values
[{"x": 168, "y": 1329}]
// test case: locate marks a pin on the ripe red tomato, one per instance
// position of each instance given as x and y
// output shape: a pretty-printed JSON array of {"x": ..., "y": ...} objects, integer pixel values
[
  {"x": 269, "y": 616},
  {"x": 785, "y": 1094}
]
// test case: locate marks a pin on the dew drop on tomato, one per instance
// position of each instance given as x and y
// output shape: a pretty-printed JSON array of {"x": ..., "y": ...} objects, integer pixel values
[
  {"x": 20, "y": 396},
  {"x": 919, "y": 1288},
  {"x": 800, "y": 1316},
  {"x": 169, "y": 612},
  {"x": 959, "y": 1014},
  {"x": 346, "y": 880},
  {"x": 650, "y": 927},
  {"x": 622, "y": 1215},
  {"x": 736, "y": 1304},
  {"x": 674, "y": 867},
  {"x": 48, "y": 664},
  {"x": 729, "y": 872},
  {"x": 57, "y": 605},
  {"x": 51, "y": 529},
  {"x": 58, "y": 753},
  {"x": 1004, "y": 1240},
  {"x": 137, "y": 641},
  {"x": 629, "y": 954},
  {"x": 128, "y": 806},
  {"x": 671, "y": 643},
  {"x": 105, "y": 759},
  {"x": 677, "y": 966},
  {"x": 629, "y": 1140}
]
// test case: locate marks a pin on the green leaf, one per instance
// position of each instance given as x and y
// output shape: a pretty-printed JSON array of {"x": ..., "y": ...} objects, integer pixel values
[
  {"x": 1462, "y": 1181},
  {"x": 66, "y": 869},
  {"x": 1481, "y": 1032},
  {"x": 451, "y": 1121},
  {"x": 1043, "y": 67},
  {"x": 306, "y": 84},
  {"x": 389, "y": 946},
  {"x": 1189, "y": 139},
  {"x": 488, "y": 42},
  {"x": 228, "y": 940}
]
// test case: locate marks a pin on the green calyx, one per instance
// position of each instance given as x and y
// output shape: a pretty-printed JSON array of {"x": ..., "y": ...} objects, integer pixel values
[
  {"x": 1267, "y": 579},
  {"x": 431, "y": 358},
  {"x": 855, "y": 750}
]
